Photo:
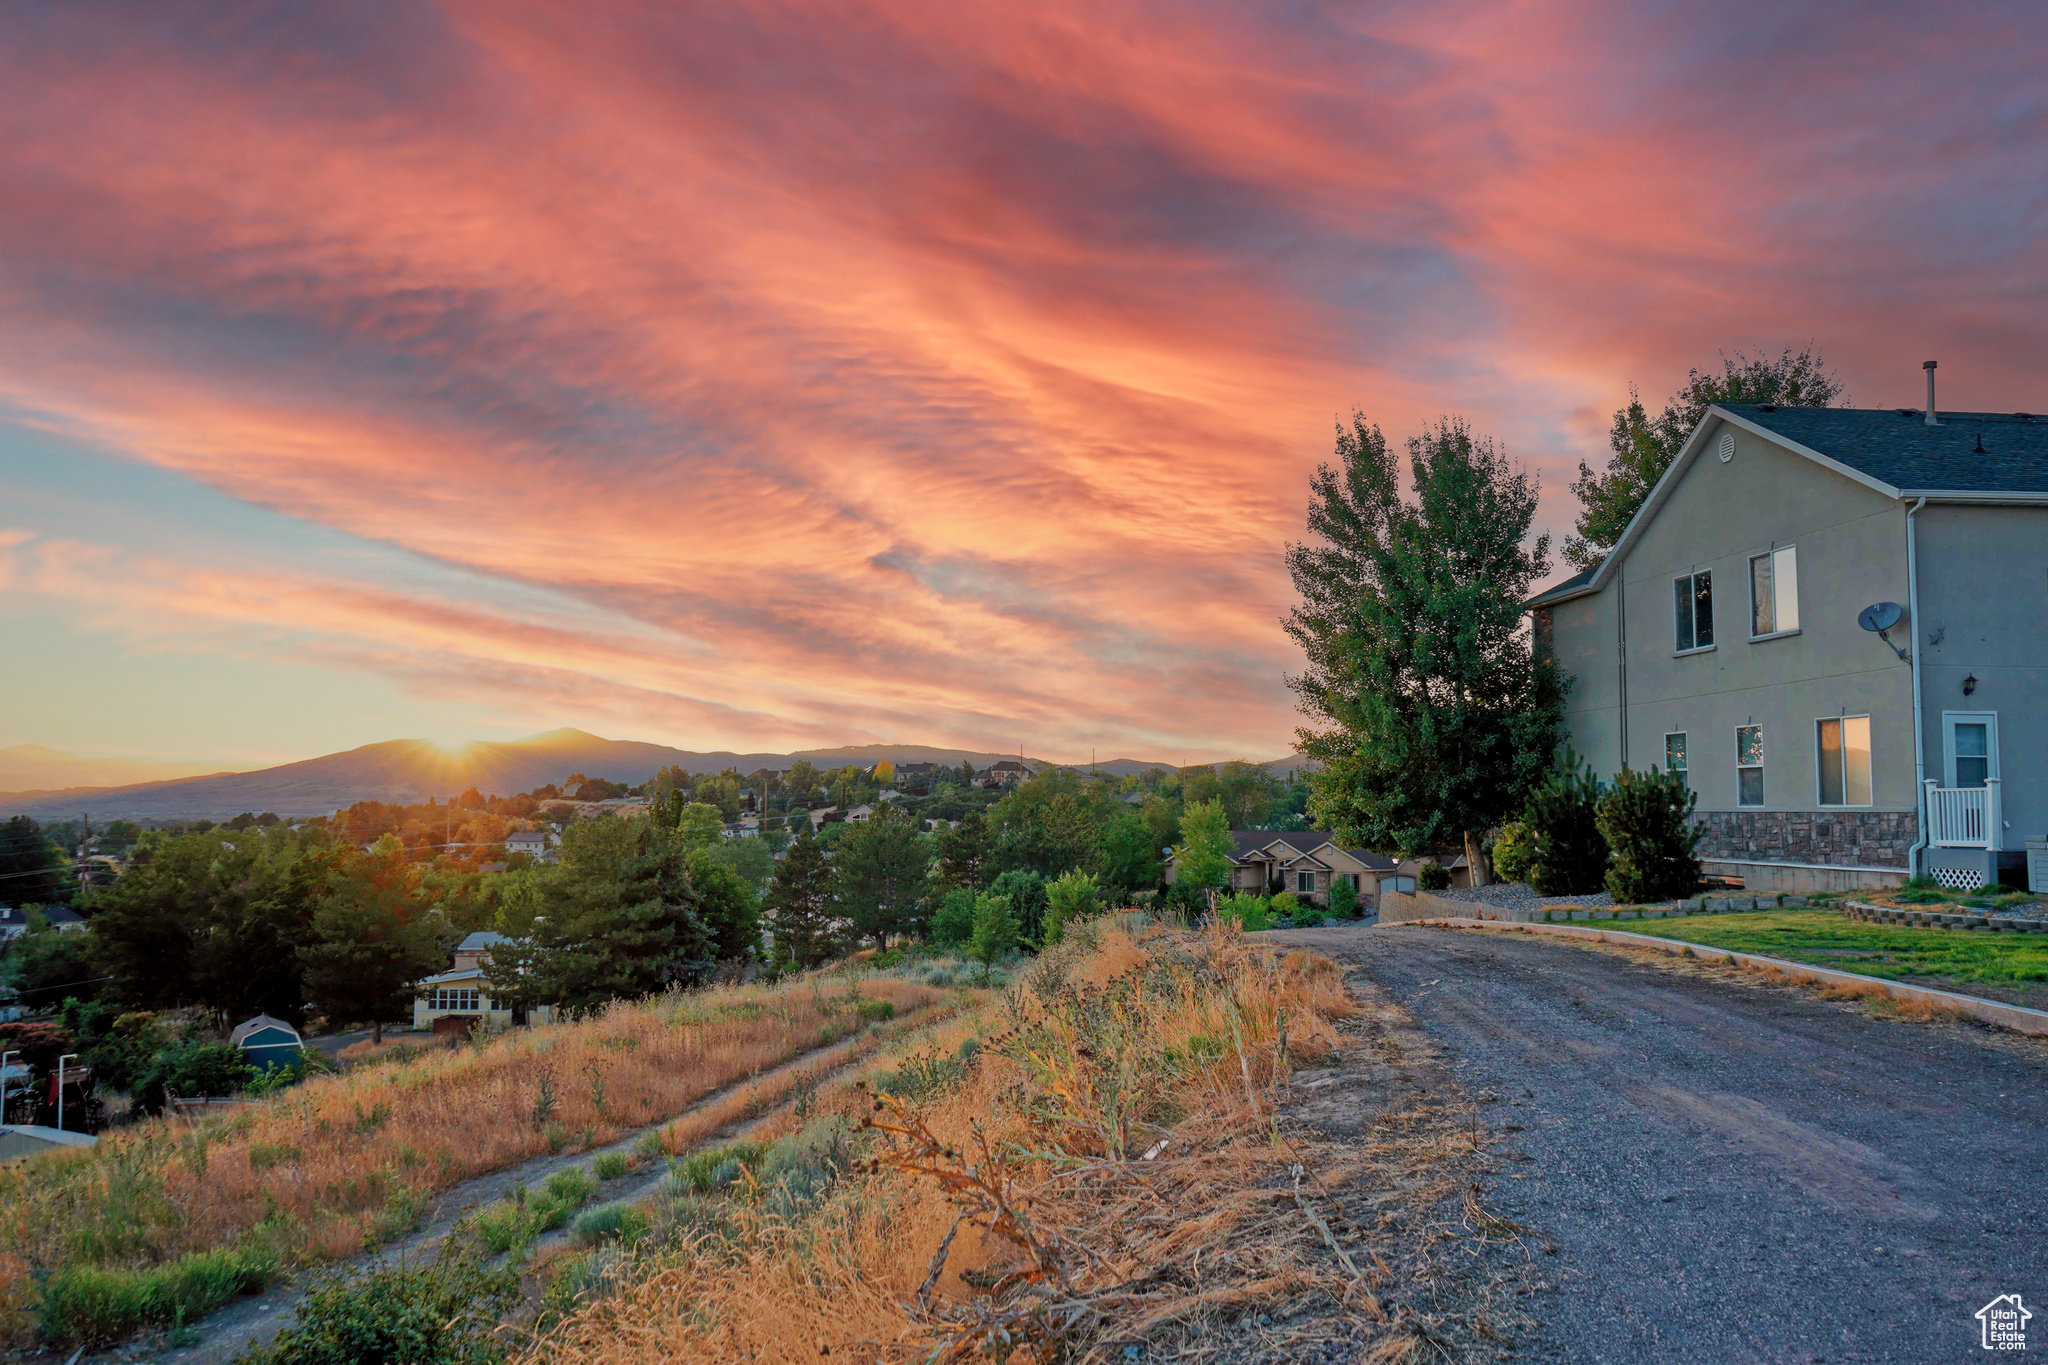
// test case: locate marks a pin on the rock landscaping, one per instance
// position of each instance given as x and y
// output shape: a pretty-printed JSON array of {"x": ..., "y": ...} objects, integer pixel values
[{"x": 1517, "y": 904}]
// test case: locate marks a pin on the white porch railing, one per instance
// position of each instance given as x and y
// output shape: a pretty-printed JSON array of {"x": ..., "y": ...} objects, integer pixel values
[{"x": 1964, "y": 817}]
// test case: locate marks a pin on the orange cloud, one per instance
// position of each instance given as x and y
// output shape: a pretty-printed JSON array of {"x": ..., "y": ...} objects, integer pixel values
[{"x": 918, "y": 371}]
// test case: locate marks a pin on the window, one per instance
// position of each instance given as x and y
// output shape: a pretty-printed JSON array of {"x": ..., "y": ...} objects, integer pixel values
[
  {"x": 1305, "y": 883},
  {"x": 1749, "y": 765},
  {"x": 1693, "y": 595},
  {"x": 1674, "y": 753},
  {"x": 1774, "y": 592},
  {"x": 1844, "y": 745},
  {"x": 456, "y": 1000},
  {"x": 1971, "y": 747}
]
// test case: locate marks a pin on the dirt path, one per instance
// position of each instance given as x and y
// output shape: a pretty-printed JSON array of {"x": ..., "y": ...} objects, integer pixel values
[
  {"x": 256, "y": 1320},
  {"x": 1726, "y": 1171}
]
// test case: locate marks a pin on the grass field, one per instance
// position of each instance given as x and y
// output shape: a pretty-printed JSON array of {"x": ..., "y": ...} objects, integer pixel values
[
  {"x": 166, "y": 1220},
  {"x": 1824, "y": 938}
]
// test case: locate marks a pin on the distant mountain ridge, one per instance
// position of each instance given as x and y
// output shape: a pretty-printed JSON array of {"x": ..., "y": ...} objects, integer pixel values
[
  {"x": 32, "y": 767},
  {"x": 407, "y": 771}
]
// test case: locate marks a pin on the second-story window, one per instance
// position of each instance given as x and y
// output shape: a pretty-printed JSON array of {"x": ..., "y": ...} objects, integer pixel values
[
  {"x": 1693, "y": 596},
  {"x": 1774, "y": 591},
  {"x": 1749, "y": 765}
]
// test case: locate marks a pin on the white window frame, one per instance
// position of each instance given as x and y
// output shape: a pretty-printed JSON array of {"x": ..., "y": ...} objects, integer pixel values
[
  {"x": 1762, "y": 769},
  {"x": 1949, "y": 720},
  {"x": 1691, "y": 579},
  {"x": 1819, "y": 786},
  {"x": 1685, "y": 747},
  {"x": 1781, "y": 557},
  {"x": 448, "y": 1000}
]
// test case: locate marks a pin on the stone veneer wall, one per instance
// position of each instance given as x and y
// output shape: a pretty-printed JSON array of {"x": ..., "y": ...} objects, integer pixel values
[{"x": 1856, "y": 838}]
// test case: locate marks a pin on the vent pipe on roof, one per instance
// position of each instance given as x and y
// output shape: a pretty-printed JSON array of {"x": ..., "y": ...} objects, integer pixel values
[{"x": 1932, "y": 420}]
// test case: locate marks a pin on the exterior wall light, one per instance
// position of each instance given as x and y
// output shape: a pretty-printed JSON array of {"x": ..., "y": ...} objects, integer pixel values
[{"x": 1969, "y": 684}]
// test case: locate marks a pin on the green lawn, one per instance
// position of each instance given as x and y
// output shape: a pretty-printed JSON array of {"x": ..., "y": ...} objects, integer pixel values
[{"x": 1823, "y": 938}]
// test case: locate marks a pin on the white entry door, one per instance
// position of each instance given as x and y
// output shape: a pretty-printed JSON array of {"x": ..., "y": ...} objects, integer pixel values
[{"x": 1969, "y": 747}]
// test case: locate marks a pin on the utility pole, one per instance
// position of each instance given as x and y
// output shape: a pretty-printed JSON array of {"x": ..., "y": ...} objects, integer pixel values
[
  {"x": 84, "y": 847},
  {"x": 67, "y": 1057}
]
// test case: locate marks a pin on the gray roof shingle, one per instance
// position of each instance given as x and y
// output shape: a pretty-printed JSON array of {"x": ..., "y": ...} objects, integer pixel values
[{"x": 1900, "y": 449}]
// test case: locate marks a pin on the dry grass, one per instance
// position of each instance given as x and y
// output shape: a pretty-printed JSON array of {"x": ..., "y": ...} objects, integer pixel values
[
  {"x": 1111, "y": 1169},
  {"x": 344, "y": 1161}
]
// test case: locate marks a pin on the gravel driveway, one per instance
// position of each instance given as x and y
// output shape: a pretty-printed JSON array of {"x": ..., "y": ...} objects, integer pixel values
[{"x": 1733, "y": 1172}]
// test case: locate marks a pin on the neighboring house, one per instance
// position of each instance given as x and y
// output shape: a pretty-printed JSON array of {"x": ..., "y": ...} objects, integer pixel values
[
  {"x": 1453, "y": 863},
  {"x": 911, "y": 770},
  {"x": 1721, "y": 638},
  {"x": 267, "y": 1042},
  {"x": 462, "y": 992},
  {"x": 537, "y": 844},
  {"x": 1007, "y": 772},
  {"x": 860, "y": 815},
  {"x": 14, "y": 920},
  {"x": 1301, "y": 861}
]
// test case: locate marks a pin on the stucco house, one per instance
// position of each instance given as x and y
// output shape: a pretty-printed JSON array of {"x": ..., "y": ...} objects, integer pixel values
[
  {"x": 462, "y": 992},
  {"x": 1304, "y": 862},
  {"x": 1721, "y": 638},
  {"x": 537, "y": 844},
  {"x": 1007, "y": 772}
]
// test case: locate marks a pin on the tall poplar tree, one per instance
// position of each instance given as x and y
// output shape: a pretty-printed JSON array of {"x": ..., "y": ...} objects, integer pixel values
[{"x": 1436, "y": 716}]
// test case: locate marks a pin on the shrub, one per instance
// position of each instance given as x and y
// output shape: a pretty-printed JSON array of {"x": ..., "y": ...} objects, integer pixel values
[
  {"x": 650, "y": 1145},
  {"x": 1646, "y": 819},
  {"x": 571, "y": 1185},
  {"x": 1247, "y": 910},
  {"x": 875, "y": 1011},
  {"x": 1071, "y": 896},
  {"x": 505, "y": 1225},
  {"x": 441, "y": 1314},
  {"x": 191, "y": 1068},
  {"x": 1512, "y": 852},
  {"x": 610, "y": 1223},
  {"x": 1283, "y": 903},
  {"x": 1568, "y": 853},
  {"x": 95, "y": 1304},
  {"x": 715, "y": 1167},
  {"x": 1433, "y": 876},
  {"x": 795, "y": 1170},
  {"x": 610, "y": 1165},
  {"x": 1343, "y": 899}
]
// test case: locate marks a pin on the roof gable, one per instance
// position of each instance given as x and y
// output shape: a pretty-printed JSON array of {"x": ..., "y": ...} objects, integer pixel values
[{"x": 1891, "y": 451}]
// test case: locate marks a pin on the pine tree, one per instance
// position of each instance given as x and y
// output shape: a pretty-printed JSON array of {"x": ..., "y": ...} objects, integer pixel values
[
  {"x": 882, "y": 866},
  {"x": 373, "y": 941},
  {"x": 802, "y": 911},
  {"x": 1438, "y": 715},
  {"x": 1643, "y": 447}
]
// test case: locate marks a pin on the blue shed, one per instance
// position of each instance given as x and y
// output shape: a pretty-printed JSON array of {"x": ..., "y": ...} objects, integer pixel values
[{"x": 266, "y": 1042}]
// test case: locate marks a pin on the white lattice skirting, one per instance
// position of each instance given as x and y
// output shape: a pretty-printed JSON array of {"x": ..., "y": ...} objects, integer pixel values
[{"x": 1959, "y": 878}]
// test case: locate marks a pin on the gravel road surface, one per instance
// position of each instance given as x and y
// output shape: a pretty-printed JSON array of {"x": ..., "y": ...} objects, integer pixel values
[{"x": 1733, "y": 1172}]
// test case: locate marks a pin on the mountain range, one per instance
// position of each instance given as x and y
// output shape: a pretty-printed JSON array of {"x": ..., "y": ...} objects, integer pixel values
[
  {"x": 31, "y": 767},
  {"x": 407, "y": 771}
]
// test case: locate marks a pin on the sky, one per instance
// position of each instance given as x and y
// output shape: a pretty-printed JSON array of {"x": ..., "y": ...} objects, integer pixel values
[{"x": 764, "y": 375}]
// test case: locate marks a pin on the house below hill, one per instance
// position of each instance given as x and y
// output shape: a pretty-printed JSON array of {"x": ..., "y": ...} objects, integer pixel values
[
  {"x": 1306, "y": 862},
  {"x": 462, "y": 993}
]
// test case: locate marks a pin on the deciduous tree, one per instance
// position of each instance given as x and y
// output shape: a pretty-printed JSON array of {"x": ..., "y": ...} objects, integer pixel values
[
  {"x": 1642, "y": 447},
  {"x": 1437, "y": 717},
  {"x": 374, "y": 938}
]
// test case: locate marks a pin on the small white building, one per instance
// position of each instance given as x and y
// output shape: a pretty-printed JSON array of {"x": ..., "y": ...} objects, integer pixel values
[
  {"x": 462, "y": 992},
  {"x": 537, "y": 844}
]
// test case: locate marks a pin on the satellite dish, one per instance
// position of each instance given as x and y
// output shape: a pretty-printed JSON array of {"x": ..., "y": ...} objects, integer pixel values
[{"x": 1880, "y": 616}]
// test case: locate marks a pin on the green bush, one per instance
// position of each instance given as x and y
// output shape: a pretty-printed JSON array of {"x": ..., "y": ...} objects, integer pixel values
[
  {"x": 441, "y": 1314},
  {"x": 1433, "y": 876},
  {"x": 1646, "y": 819},
  {"x": 875, "y": 1011},
  {"x": 610, "y": 1165},
  {"x": 1247, "y": 910},
  {"x": 1568, "y": 853},
  {"x": 505, "y": 1226},
  {"x": 1512, "y": 852},
  {"x": 571, "y": 1185},
  {"x": 649, "y": 1145},
  {"x": 1069, "y": 897},
  {"x": 610, "y": 1223},
  {"x": 795, "y": 1170},
  {"x": 715, "y": 1167},
  {"x": 1343, "y": 899},
  {"x": 1283, "y": 904},
  {"x": 91, "y": 1304},
  {"x": 191, "y": 1068}
]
